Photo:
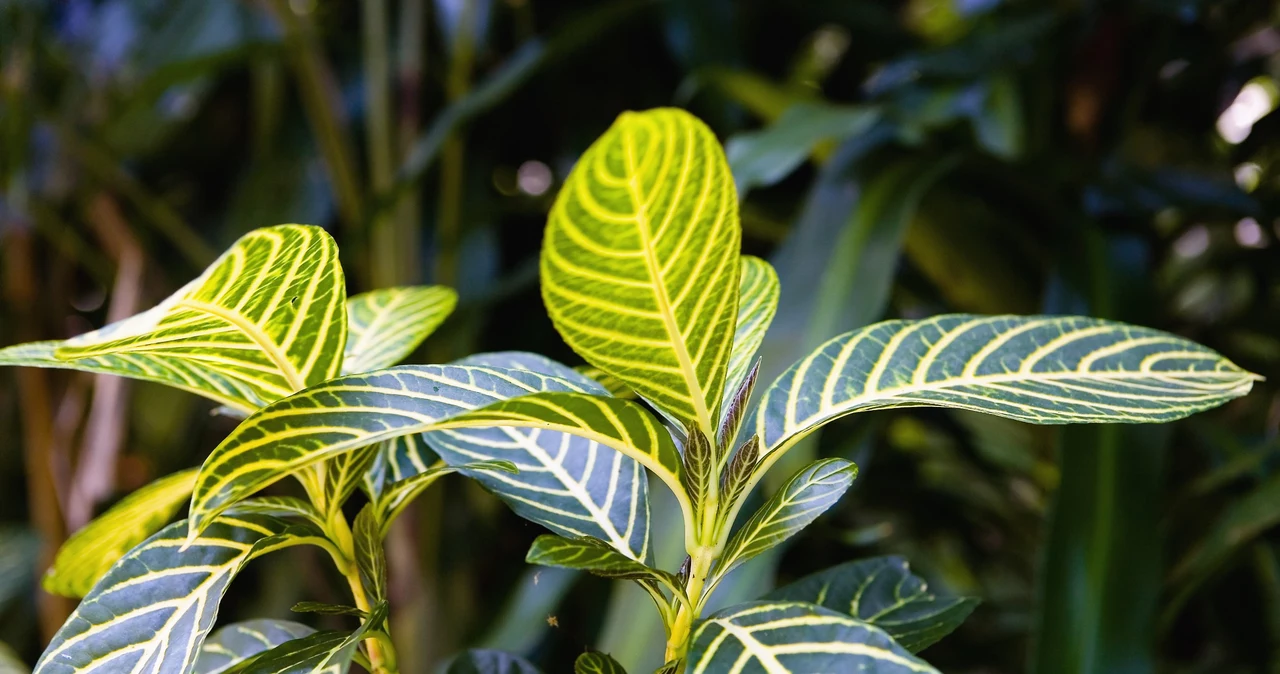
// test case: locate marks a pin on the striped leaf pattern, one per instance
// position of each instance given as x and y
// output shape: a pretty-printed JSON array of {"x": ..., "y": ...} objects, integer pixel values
[
  {"x": 610, "y": 422},
  {"x": 799, "y": 502},
  {"x": 595, "y": 557},
  {"x": 265, "y": 320},
  {"x": 795, "y": 638},
  {"x": 882, "y": 591},
  {"x": 91, "y": 551},
  {"x": 593, "y": 662},
  {"x": 489, "y": 661},
  {"x": 757, "y": 303},
  {"x": 151, "y": 612},
  {"x": 345, "y": 472},
  {"x": 385, "y": 326},
  {"x": 567, "y": 483},
  {"x": 640, "y": 261},
  {"x": 1037, "y": 369},
  {"x": 328, "y": 652},
  {"x": 395, "y": 460},
  {"x": 237, "y": 642},
  {"x": 400, "y": 494}
]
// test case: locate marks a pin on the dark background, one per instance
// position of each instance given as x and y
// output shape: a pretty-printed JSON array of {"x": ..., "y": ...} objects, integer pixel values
[{"x": 1116, "y": 159}]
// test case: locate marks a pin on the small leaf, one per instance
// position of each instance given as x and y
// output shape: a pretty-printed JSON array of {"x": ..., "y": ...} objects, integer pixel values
[
  {"x": 371, "y": 559},
  {"x": 151, "y": 612},
  {"x": 795, "y": 638},
  {"x": 883, "y": 592},
  {"x": 279, "y": 506},
  {"x": 595, "y": 557},
  {"x": 699, "y": 465},
  {"x": 735, "y": 410},
  {"x": 345, "y": 472},
  {"x": 640, "y": 261},
  {"x": 593, "y": 662},
  {"x": 237, "y": 642},
  {"x": 489, "y": 661},
  {"x": 799, "y": 502},
  {"x": 385, "y": 326},
  {"x": 265, "y": 320},
  {"x": 91, "y": 551},
  {"x": 757, "y": 303},
  {"x": 318, "y": 653},
  {"x": 326, "y": 609}
]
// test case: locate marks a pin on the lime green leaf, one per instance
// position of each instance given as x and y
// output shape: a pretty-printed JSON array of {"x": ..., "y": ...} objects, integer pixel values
[
  {"x": 612, "y": 384},
  {"x": 883, "y": 592},
  {"x": 757, "y": 303},
  {"x": 488, "y": 661},
  {"x": 345, "y": 472},
  {"x": 326, "y": 609},
  {"x": 799, "y": 502},
  {"x": 237, "y": 642},
  {"x": 10, "y": 663},
  {"x": 402, "y": 493},
  {"x": 783, "y": 638},
  {"x": 151, "y": 612},
  {"x": 91, "y": 551},
  {"x": 385, "y": 326},
  {"x": 280, "y": 507},
  {"x": 640, "y": 261},
  {"x": 593, "y": 662},
  {"x": 358, "y": 410},
  {"x": 596, "y": 557},
  {"x": 264, "y": 321},
  {"x": 319, "y": 653},
  {"x": 1038, "y": 369}
]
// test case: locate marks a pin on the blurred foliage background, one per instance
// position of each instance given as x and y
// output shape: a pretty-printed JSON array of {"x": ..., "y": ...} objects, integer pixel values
[{"x": 894, "y": 157}]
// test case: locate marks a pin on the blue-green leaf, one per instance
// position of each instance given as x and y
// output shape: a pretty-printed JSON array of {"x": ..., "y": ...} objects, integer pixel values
[{"x": 234, "y": 643}]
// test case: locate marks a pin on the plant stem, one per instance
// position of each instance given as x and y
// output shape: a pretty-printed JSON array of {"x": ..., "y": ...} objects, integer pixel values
[
  {"x": 699, "y": 569},
  {"x": 380, "y": 660}
]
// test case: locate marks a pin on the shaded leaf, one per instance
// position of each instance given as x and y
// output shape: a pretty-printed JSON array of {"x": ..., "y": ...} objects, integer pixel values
[
  {"x": 489, "y": 661},
  {"x": 385, "y": 326},
  {"x": 593, "y": 662},
  {"x": 234, "y": 643}
]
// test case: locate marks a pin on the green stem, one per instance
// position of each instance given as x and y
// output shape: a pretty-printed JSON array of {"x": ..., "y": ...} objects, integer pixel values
[
  {"x": 344, "y": 557},
  {"x": 699, "y": 569}
]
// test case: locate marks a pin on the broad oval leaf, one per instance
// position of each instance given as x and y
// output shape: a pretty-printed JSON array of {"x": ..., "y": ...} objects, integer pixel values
[
  {"x": 490, "y": 661},
  {"x": 385, "y": 326},
  {"x": 265, "y": 320},
  {"x": 595, "y": 557},
  {"x": 798, "y": 503},
  {"x": 151, "y": 612},
  {"x": 1037, "y": 369},
  {"x": 882, "y": 591},
  {"x": 795, "y": 638},
  {"x": 640, "y": 260},
  {"x": 234, "y": 643},
  {"x": 594, "y": 662},
  {"x": 360, "y": 410},
  {"x": 92, "y": 550},
  {"x": 757, "y": 303}
]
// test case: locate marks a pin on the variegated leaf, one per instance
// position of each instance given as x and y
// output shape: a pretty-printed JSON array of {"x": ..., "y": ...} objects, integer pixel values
[
  {"x": 573, "y": 486},
  {"x": 395, "y": 460},
  {"x": 151, "y": 612},
  {"x": 91, "y": 551},
  {"x": 237, "y": 642},
  {"x": 612, "y": 384},
  {"x": 799, "y": 502},
  {"x": 1038, "y": 369},
  {"x": 318, "y": 653},
  {"x": 279, "y": 507},
  {"x": 371, "y": 558},
  {"x": 640, "y": 261},
  {"x": 882, "y": 591},
  {"x": 345, "y": 472},
  {"x": 265, "y": 320},
  {"x": 593, "y": 662},
  {"x": 757, "y": 303},
  {"x": 596, "y": 557},
  {"x": 795, "y": 638},
  {"x": 399, "y": 494},
  {"x": 385, "y": 326}
]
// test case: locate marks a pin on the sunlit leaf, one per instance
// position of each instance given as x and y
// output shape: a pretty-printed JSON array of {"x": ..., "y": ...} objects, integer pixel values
[
  {"x": 264, "y": 321},
  {"x": 1038, "y": 369},
  {"x": 640, "y": 261},
  {"x": 231, "y": 645},
  {"x": 385, "y": 326},
  {"x": 757, "y": 303},
  {"x": 794, "y": 638},
  {"x": 151, "y": 612},
  {"x": 91, "y": 551},
  {"x": 882, "y": 591}
]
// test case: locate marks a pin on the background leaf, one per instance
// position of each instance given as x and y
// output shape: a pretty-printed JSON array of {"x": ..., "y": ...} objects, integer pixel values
[{"x": 385, "y": 326}]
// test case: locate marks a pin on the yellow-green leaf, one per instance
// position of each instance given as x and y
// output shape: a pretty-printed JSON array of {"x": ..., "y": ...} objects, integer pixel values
[
  {"x": 92, "y": 550},
  {"x": 265, "y": 320},
  {"x": 385, "y": 326},
  {"x": 757, "y": 303},
  {"x": 640, "y": 261}
]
